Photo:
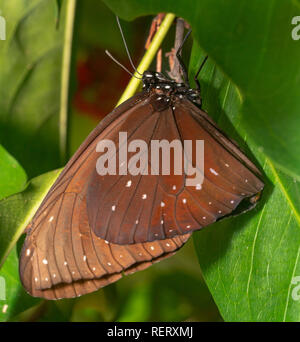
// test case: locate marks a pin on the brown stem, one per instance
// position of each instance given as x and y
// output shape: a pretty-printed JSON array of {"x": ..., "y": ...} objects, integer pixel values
[
  {"x": 175, "y": 69},
  {"x": 153, "y": 29}
]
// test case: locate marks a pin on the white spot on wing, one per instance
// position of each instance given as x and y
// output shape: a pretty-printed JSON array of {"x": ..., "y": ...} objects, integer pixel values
[
  {"x": 45, "y": 261},
  {"x": 214, "y": 172}
]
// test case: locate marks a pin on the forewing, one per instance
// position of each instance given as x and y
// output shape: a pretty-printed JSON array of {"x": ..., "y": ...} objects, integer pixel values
[{"x": 135, "y": 209}]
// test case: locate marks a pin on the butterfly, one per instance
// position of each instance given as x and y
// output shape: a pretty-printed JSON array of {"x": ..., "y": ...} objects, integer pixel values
[{"x": 93, "y": 227}]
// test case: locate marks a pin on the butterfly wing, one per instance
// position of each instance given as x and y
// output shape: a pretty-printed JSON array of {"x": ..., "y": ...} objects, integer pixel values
[
  {"x": 61, "y": 256},
  {"x": 141, "y": 208}
]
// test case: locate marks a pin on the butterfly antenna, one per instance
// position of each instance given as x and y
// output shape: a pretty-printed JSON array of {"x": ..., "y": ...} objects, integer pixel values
[
  {"x": 126, "y": 47},
  {"x": 198, "y": 72},
  {"x": 181, "y": 63},
  {"x": 120, "y": 64}
]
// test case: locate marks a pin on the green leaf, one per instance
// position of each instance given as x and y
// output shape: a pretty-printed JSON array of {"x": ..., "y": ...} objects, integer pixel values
[
  {"x": 12, "y": 176},
  {"x": 12, "y": 179},
  {"x": 13, "y": 298},
  {"x": 17, "y": 210},
  {"x": 250, "y": 262},
  {"x": 32, "y": 98},
  {"x": 16, "y": 213},
  {"x": 251, "y": 42}
]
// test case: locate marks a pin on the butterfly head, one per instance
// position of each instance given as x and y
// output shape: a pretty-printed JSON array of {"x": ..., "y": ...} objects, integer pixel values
[{"x": 169, "y": 89}]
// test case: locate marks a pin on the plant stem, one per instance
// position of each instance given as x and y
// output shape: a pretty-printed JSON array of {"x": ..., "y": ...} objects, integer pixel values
[
  {"x": 148, "y": 57},
  {"x": 65, "y": 78}
]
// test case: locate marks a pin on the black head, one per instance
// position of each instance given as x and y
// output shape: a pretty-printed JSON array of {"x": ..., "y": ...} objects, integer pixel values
[{"x": 167, "y": 88}]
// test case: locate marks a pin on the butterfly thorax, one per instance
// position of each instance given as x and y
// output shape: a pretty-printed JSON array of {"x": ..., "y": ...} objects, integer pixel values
[{"x": 167, "y": 90}]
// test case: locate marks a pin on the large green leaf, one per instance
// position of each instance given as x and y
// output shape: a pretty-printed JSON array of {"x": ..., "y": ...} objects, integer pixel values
[
  {"x": 30, "y": 82},
  {"x": 250, "y": 262},
  {"x": 251, "y": 41}
]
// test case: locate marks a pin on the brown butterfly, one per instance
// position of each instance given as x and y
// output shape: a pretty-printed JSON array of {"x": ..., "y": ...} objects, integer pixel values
[{"x": 92, "y": 228}]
